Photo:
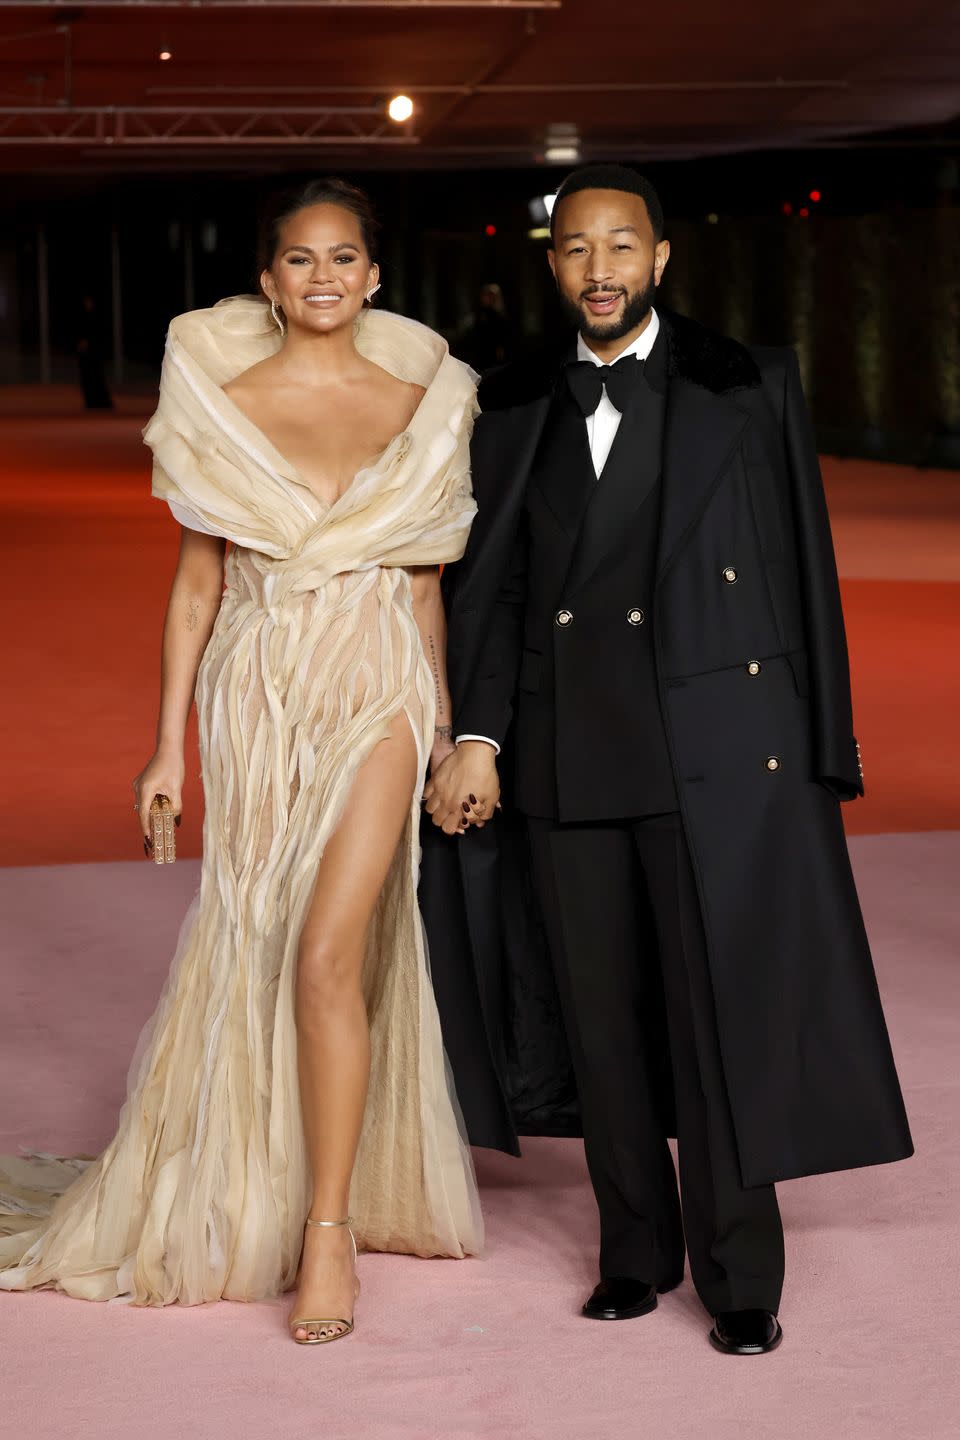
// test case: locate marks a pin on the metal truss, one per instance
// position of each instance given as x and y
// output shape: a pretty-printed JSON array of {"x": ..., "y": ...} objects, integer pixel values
[
  {"x": 140, "y": 5},
  {"x": 170, "y": 126}
]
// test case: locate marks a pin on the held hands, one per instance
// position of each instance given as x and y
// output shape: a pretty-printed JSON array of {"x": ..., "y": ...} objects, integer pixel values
[
  {"x": 464, "y": 788},
  {"x": 162, "y": 775},
  {"x": 443, "y": 748}
]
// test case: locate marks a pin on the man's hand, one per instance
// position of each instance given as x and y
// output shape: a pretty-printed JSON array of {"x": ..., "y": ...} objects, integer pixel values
[{"x": 465, "y": 789}]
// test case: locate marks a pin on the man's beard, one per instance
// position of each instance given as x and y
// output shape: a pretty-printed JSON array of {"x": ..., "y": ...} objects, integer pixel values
[{"x": 635, "y": 311}]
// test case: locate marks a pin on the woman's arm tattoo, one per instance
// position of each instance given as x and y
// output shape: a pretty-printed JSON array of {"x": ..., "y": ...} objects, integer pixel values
[{"x": 435, "y": 667}]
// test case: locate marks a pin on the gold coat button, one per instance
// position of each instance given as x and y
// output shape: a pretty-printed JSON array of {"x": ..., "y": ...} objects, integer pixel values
[
  {"x": 564, "y": 617},
  {"x": 730, "y": 575},
  {"x": 773, "y": 762},
  {"x": 635, "y": 616},
  {"x": 754, "y": 667}
]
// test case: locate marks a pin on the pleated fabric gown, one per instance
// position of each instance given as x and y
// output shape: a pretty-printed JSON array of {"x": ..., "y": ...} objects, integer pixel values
[{"x": 314, "y": 656}]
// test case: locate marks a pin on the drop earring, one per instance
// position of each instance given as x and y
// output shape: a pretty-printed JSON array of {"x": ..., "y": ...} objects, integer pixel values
[
  {"x": 277, "y": 314},
  {"x": 371, "y": 293}
]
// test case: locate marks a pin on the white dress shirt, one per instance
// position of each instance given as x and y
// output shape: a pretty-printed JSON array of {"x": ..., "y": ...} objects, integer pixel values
[{"x": 602, "y": 425}]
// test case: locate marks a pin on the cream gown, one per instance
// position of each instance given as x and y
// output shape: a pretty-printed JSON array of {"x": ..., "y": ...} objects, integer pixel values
[{"x": 315, "y": 652}]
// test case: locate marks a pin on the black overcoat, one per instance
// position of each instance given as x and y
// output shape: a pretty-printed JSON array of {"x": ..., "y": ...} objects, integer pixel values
[{"x": 753, "y": 679}]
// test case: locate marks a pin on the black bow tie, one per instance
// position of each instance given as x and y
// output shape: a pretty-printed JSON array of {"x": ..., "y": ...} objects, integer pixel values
[{"x": 587, "y": 382}]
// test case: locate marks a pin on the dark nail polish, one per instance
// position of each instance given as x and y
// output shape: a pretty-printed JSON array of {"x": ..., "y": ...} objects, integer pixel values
[
  {"x": 473, "y": 799},
  {"x": 146, "y": 849},
  {"x": 176, "y": 820}
]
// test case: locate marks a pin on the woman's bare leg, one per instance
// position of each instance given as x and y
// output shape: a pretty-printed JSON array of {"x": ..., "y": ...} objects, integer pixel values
[{"x": 332, "y": 1034}]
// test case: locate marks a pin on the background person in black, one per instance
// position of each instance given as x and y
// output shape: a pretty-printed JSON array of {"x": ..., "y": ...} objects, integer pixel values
[
  {"x": 650, "y": 596},
  {"x": 90, "y": 357},
  {"x": 487, "y": 338}
]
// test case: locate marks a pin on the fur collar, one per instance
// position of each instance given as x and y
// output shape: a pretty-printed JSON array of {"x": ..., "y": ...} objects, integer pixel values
[
  {"x": 705, "y": 358},
  {"x": 694, "y": 353}
]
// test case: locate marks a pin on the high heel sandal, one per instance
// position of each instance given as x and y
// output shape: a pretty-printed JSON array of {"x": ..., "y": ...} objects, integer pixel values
[{"x": 319, "y": 1325}]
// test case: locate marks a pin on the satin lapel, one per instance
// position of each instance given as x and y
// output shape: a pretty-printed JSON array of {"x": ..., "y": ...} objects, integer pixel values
[
  {"x": 505, "y": 440},
  {"x": 519, "y": 437},
  {"x": 701, "y": 433},
  {"x": 502, "y": 451},
  {"x": 504, "y": 444},
  {"x": 629, "y": 475},
  {"x": 566, "y": 480}
]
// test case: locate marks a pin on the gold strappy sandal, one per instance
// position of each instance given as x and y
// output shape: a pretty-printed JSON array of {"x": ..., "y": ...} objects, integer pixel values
[{"x": 315, "y": 1324}]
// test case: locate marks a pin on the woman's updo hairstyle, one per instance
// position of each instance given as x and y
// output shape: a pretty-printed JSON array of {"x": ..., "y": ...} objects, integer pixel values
[{"x": 329, "y": 191}]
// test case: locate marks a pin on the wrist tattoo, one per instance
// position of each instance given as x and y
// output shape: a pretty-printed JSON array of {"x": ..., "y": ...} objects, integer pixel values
[{"x": 444, "y": 732}]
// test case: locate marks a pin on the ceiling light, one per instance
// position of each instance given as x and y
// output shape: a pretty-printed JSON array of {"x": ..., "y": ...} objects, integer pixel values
[
  {"x": 562, "y": 144},
  {"x": 166, "y": 55},
  {"x": 400, "y": 108}
]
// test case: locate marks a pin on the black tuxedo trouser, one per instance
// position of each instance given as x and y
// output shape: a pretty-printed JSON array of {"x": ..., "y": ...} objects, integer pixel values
[{"x": 623, "y": 923}]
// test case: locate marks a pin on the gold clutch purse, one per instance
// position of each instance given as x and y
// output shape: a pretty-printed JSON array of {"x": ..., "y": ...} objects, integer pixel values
[{"x": 161, "y": 827}]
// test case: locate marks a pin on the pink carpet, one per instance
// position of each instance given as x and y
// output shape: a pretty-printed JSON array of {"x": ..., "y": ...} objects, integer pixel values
[{"x": 492, "y": 1349}]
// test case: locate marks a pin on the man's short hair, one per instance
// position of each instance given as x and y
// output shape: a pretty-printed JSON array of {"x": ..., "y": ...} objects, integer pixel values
[{"x": 611, "y": 177}]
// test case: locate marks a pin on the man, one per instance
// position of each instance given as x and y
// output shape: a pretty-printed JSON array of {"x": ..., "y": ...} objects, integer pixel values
[
  {"x": 487, "y": 337},
  {"x": 649, "y": 605}
]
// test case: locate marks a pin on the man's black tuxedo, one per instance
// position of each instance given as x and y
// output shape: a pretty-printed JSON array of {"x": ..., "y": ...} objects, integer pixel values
[
  {"x": 583, "y": 573},
  {"x": 751, "y": 678}
]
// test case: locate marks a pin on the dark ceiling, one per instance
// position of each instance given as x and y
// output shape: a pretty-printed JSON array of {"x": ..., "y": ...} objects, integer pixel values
[{"x": 265, "y": 83}]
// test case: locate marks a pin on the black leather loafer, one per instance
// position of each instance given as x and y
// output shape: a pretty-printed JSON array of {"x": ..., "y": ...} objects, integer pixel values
[
  {"x": 745, "y": 1332},
  {"x": 620, "y": 1298}
]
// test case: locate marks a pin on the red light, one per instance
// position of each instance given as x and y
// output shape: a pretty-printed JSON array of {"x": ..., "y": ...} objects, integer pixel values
[
  {"x": 804, "y": 213},
  {"x": 490, "y": 230},
  {"x": 814, "y": 196},
  {"x": 787, "y": 208}
]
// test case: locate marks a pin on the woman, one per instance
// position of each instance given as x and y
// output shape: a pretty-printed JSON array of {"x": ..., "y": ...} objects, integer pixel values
[{"x": 294, "y": 1068}]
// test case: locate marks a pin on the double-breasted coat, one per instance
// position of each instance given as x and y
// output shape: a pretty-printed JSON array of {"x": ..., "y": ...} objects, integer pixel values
[{"x": 753, "y": 682}]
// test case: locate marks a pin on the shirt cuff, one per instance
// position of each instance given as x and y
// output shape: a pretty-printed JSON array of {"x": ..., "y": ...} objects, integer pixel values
[{"x": 485, "y": 738}]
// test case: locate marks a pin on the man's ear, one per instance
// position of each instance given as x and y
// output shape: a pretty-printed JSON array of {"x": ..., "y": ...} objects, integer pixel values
[
  {"x": 661, "y": 256},
  {"x": 552, "y": 262}
]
